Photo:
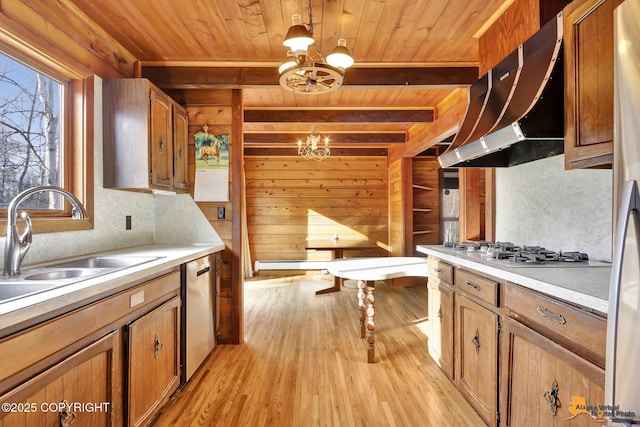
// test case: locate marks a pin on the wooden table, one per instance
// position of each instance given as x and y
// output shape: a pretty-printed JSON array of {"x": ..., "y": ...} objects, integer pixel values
[
  {"x": 337, "y": 248},
  {"x": 366, "y": 271}
]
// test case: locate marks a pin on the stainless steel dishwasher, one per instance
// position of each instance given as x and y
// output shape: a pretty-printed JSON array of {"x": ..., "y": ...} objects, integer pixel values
[{"x": 198, "y": 313}]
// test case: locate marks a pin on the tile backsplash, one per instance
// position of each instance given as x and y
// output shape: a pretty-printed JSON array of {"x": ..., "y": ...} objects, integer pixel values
[{"x": 540, "y": 203}]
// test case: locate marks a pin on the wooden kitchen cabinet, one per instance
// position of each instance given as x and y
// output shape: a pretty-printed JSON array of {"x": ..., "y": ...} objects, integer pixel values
[
  {"x": 145, "y": 137},
  {"x": 588, "y": 52},
  {"x": 541, "y": 381},
  {"x": 180, "y": 148},
  {"x": 477, "y": 326},
  {"x": 440, "y": 342},
  {"x": 553, "y": 356},
  {"x": 76, "y": 356},
  {"x": 89, "y": 380},
  {"x": 441, "y": 313},
  {"x": 153, "y": 343}
]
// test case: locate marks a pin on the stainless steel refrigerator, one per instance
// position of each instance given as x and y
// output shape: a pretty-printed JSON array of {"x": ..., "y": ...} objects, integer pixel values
[{"x": 622, "y": 373}]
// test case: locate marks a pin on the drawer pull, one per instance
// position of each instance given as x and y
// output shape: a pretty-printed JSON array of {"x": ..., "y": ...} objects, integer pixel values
[
  {"x": 474, "y": 286},
  {"x": 476, "y": 341},
  {"x": 551, "y": 397},
  {"x": 66, "y": 416},
  {"x": 558, "y": 318},
  {"x": 437, "y": 270},
  {"x": 157, "y": 346}
]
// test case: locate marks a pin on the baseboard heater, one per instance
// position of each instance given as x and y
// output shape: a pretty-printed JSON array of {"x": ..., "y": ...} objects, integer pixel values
[{"x": 291, "y": 265}]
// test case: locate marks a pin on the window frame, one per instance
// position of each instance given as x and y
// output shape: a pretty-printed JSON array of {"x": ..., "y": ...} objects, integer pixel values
[{"x": 77, "y": 160}]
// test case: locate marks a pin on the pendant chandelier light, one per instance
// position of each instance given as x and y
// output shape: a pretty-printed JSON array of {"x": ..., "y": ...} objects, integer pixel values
[
  {"x": 312, "y": 149},
  {"x": 309, "y": 74}
]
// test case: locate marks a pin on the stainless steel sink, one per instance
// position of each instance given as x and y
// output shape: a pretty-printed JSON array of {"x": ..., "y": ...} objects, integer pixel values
[
  {"x": 113, "y": 262},
  {"x": 64, "y": 274}
]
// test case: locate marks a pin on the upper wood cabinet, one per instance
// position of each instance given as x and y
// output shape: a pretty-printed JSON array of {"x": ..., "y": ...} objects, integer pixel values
[
  {"x": 145, "y": 138},
  {"x": 588, "y": 51},
  {"x": 180, "y": 155}
]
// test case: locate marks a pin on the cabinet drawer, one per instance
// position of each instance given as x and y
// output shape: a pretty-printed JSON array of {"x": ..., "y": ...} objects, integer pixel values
[
  {"x": 580, "y": 331},
  {"x": 439, "y": 269},
  {"x": 477, "y": 286}
]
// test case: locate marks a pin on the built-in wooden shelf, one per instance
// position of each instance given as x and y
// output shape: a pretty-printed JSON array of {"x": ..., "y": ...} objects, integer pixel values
[
  {"x": 422, "y": 210},
  {"x": 423, "y": 232},
  {"x": 422, "y": 187}
]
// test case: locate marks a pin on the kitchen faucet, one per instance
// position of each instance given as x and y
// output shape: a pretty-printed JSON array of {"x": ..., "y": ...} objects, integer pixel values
[{"x": 16, "y": 245}]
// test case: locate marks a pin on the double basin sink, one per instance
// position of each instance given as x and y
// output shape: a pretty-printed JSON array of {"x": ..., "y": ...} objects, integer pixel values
[{"x": 45, "y": 278}]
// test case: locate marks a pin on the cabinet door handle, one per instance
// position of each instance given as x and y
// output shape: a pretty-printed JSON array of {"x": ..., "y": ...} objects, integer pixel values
[
  {"x": 157, "y": 346},
  {"x": 161, "y": 145},
  {"x": 476, "y": 341},
  {"x": 473, "y": 285},
  {"x": 66, "y": 416},
  {"x": 180, "y": 153},
  {"x": 439, "y": 313},
  {"x": 551, "y": 397},
  {"x": 558, "y": 318}
]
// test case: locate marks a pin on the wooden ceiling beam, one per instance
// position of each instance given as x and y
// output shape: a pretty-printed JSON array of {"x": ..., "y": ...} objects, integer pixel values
[
  {"x": 192, "y": 77},
  {"x": 411, "y": 116},
  {"x": 335, "y": 138}
]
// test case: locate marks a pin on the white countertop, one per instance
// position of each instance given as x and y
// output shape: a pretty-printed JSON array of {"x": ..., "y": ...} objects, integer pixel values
[
  {"x": 18, "y": 313},
  {"x": 381, "y": 268},
  {"x": 586, "y": 286}
]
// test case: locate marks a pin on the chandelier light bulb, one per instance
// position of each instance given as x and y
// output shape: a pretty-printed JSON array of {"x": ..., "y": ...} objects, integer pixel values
[
  {"x": 298, "y": 38},
  {"x": 340, "y": 57},
  {"x": 288, "y": 63}
]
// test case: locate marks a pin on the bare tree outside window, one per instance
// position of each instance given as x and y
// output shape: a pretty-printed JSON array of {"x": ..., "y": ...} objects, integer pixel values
[{"x": 30, "y": 153}]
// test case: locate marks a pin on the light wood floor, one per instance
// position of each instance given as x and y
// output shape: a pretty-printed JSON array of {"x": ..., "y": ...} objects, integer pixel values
[{"x": 303, "y": 364}]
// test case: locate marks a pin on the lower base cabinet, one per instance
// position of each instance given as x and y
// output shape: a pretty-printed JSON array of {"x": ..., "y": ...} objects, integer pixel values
[
  {"x": 477, "y": 356},
  {"x": 440, "y": 341},
  {"x": 543, "y": 382},
  {"x": 84, "y": 390},
  {"x": 153, "y": 361}
]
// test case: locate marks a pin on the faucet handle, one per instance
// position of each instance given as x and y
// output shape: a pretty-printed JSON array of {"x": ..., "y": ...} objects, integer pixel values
[{"x": 27, "y": 235}]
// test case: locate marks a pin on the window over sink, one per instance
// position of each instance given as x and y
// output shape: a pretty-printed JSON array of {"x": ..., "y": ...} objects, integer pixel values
[{"x": 46, "y": 133}]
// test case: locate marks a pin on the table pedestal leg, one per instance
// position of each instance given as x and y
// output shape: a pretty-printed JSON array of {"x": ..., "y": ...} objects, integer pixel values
[
  {"x": 361, "y": 307},
  {"x": 366, "y": 309}
]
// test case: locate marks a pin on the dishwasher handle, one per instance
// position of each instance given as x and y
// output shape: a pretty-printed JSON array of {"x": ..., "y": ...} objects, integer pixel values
[{"x": 205, "y": 269}]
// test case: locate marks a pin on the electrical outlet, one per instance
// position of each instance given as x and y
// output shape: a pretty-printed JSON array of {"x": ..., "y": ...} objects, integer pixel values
[
  {"x": 221, "y": 212},
  {"x": 127, "y": 222}
]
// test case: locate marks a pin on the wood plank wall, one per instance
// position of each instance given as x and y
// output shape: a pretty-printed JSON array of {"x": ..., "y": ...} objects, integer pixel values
[
  {"x": 290, "y": 200},
  {"x": 213, "y": 107},
  {"x": 396, "y": 209}
]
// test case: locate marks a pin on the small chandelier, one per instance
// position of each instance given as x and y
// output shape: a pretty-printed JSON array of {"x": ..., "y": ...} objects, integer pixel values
[
  {"x": 311, "y": 148},
  {"x": 307, "y": 74}
]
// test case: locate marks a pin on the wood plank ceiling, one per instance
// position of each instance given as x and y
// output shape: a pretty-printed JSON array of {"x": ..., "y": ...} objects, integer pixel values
[{"x": 411, "y": 55}]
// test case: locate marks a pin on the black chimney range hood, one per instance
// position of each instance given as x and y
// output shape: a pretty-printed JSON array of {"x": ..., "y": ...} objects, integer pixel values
[{"x": 516, "y": 111}]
